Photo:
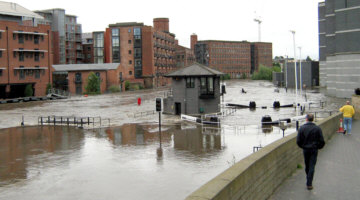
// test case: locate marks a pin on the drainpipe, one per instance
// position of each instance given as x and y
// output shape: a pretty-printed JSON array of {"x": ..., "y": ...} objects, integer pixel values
[{"x": 49, "y": 57}]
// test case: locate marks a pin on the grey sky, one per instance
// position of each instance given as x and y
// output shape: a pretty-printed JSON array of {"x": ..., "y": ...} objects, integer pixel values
[{"x": 209, "y": 19}]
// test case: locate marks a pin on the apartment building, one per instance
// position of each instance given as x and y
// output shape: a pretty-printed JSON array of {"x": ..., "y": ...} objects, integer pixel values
[
  {"x": 88, "y": 47},
  {"x": 25, "y": 51},
  {"x": 184, "y": 56},
  {"x": 147, "y": 53},
  {"x": 66, "y": 33},
  {"x": 236, "y": 58},
  {"x": 339, "y": 49}
]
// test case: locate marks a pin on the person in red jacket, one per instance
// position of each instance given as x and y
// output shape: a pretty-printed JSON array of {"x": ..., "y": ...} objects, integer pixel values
[{"x": 310, "y": 139}]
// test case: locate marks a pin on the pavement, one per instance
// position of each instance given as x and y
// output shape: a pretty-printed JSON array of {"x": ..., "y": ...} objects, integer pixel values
[{"x": 337, "y": 172}]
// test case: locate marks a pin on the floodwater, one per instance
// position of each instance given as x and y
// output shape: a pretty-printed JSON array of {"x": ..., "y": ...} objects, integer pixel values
[{"x": 129, "y": 161}]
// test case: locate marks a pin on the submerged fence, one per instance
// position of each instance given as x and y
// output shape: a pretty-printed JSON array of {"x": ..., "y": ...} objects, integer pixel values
[{"x": 89, "y": 122}]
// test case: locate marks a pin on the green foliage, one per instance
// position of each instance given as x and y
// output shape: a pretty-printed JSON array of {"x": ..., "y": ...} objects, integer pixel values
[
  {"x": 93, "y": 84},
  {"x": 141, "y": 87},
  {"x": 276, "y": 65},
  {"x": 243, "y": 76},
  {"x": 299, "y": 166},
  {"x": 265, "y": 73},
  {"x": 308, "y": 58},
  {"x": 48, "y": 87},
  {"x": 114, "y": 88},
  {"x": 225, "y": 77},
  {"x": 28, "y": 90},
  {"x": 135, "y": 87},
  {"x": 127, "y": 85}
]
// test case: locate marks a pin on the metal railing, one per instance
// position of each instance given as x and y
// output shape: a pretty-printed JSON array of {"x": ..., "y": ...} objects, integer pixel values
[{"x": 95, "y": 122}]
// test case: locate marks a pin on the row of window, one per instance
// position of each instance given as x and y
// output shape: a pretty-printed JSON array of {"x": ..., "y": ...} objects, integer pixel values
[
  {"x": 23, "y": 73},
  {"x": 23, "y": 37},
  {"x": 206, "y": 85},
  {"x": 229, "y": 62},
  {"x": 244, "y": 51},
  {"x": 230, "y": 45},
  {"x": 230, "y": 56},
  {"x": 23, "y": 55}
]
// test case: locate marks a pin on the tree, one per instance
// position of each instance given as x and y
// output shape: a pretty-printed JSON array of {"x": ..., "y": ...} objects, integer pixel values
[
  {"x": 308, "y": 58},
  {"x": 93, "y": 84},
  {"x": 28, "y": 90},
  {"x": 48, "y": 87}
]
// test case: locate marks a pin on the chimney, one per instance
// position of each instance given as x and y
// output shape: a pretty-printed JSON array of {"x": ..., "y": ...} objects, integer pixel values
[
  {"x": 193, "y": 40},
  {"x": 161, "y": 24},
  {"x": 177, "y": 42}
]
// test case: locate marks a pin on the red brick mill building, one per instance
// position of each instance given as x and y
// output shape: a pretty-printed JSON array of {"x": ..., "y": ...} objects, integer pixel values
[{"x": 25, "y": 51}]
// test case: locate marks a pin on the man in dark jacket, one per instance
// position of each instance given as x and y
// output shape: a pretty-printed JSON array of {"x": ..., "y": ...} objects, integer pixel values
[{"x": 310, "y": 139}]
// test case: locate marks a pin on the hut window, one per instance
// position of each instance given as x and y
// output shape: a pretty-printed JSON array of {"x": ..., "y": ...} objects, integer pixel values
[
  {"x": 207, "y": 85},
  {"x": 190, "y": 82}
]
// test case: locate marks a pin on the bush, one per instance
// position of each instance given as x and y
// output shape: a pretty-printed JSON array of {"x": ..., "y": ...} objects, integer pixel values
[
  {"x": 28, "y": 90},
  {"x": 114, "y": 89},
  {"x": 243, "y": 76},
  {"x": 127, "y": 85},
  {"x": 48, "y": 87},
  {"x": 225, "y": 77},
  {"x": 93, "y": 84},
  {"x": 136, "y": 87},
  {"x": 265, "y": 73}
]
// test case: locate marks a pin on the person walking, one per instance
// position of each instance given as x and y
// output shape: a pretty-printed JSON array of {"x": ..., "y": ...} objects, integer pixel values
[
  {"x": 348, "y": 112},
  {"x": 310, "y": 139}
]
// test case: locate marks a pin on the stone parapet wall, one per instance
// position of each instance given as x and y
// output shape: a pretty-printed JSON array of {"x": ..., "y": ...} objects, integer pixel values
[
  {"x": 355, "y": 101},
  {"x": 258, "y": 175}
]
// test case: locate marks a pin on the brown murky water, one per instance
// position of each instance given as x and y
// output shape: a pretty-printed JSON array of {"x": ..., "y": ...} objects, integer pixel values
[{"x": 126, "y": 162}]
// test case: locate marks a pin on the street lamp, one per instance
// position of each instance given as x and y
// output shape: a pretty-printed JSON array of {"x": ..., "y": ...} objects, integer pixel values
[
  {"x": 300, "y": 72},
  {"x": 296, "y": 101}
]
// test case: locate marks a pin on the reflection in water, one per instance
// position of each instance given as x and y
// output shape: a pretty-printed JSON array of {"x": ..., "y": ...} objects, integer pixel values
[{"x": 18, "y": 146}]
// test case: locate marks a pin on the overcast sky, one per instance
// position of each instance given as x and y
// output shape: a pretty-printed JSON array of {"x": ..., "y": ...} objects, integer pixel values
[{"x": 209, "y": 19}]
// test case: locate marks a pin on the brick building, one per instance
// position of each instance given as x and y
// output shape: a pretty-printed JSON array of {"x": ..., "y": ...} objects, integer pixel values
[
  {"x": 261, "y": 54},
  {"x": 73, "y": 77},
  {"x": 235, "y": 58},
  {"x": 25, "y": 51},
  {"x": 66, "y": 33},
  {"x": 229, "y": 57},
  {"x": 147, "y": 53},
  {"x": 184, "y": 56}
]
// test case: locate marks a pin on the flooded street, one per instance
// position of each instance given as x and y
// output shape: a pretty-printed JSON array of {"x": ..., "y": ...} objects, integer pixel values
[{"x": 125, "y": 161}]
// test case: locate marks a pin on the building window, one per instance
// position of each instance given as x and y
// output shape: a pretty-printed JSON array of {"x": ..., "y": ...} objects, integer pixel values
[
  {"x": 130, "y": 62},
  {"x": 97, "y": 74},
  {"x": 21, "y": 39},
  {"x": 14, "y": 36},
  {"x": 1, "y": 72},
  {"x": 78, "y": 77},
  {"x": 190, "y": 82},
  {"x": 36, "y": 56},
  {"x": 207, "y": 85},
  {"x": 0, "y": 54},
  {"x": 36, "y": 39},
  {"x": 130, "y": 72},
  {"x": 129, "y": 30},
  {"x": 37, "y": 73},
  {"x": 129, "y": 41},
  {"x": 22, "y": 74},
  {"x": 0, "y": 34},
  {"x": 21, "y": 56},
  {"x": 129, "y": 51}
]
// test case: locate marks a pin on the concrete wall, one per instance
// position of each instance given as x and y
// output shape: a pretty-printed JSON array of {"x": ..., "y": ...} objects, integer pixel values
[
  {"x": 355, "y": 101},
  {"x": 258, "y": 175}
]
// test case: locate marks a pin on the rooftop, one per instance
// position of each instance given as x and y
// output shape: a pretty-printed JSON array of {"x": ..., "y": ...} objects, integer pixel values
[
  {"x": 13, "y": 9},
  {"x": 86, "y": 67},
  {"x": 195, "y": 69}
]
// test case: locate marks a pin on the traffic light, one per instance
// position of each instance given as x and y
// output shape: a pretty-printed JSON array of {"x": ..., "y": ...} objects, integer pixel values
[{"x": 158, "y": 104}]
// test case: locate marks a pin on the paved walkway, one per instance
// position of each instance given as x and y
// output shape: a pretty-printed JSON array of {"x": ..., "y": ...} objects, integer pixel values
[{"x": 337, "y": 172}]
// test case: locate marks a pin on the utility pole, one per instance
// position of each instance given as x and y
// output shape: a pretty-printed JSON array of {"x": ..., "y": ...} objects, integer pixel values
[
  {"x": 295, "y": 69},
  {"x": 300, "y": 72},
  {"x": 259, "y": 24}
]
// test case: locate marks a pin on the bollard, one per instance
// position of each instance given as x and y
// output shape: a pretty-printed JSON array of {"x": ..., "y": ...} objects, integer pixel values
[
  {"x": 68, "y": 121},
  {"x": 41, "y": 119},
  {"x": 88, "y": 121}
]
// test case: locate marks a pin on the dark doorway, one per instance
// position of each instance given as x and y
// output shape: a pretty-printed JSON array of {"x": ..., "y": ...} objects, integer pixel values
[
  {"x": 78, "y": 88},
  {"x": 18, "y": 90},
  {"x": 2, "y": 91},
  {"x": 177, "y": 108}
]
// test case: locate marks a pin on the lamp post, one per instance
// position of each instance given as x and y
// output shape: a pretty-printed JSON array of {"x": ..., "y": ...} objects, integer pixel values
[
  {"x": 300, "y": 72},
  {"x": 295, "y": 69}
]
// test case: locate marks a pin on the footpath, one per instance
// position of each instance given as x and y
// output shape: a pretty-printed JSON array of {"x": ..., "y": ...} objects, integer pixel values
[{"x": 337, "y": 172}]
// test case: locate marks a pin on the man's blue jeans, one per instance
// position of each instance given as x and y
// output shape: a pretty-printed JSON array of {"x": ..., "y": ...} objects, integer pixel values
[{"x": 347, "y": 124}]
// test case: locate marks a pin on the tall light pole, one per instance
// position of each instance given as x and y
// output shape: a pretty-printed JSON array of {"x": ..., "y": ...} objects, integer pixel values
[
  {"x": 295, "y": 69},
  {"x": 259, "y": 24},
  {"x": 300, "y": 71}
]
